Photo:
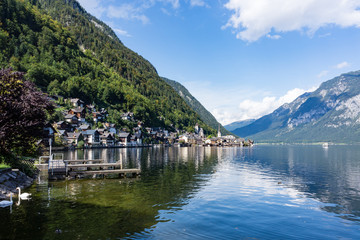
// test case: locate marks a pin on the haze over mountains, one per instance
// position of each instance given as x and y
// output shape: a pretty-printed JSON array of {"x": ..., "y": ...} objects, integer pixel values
[
  {"x": 205, "y": 115},
  {"x": 331, "y": 114},
  {"x": 238, "y": 124}
]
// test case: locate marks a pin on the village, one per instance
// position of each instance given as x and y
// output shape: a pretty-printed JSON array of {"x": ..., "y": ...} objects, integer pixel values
[{"x": 77, "y": 130}]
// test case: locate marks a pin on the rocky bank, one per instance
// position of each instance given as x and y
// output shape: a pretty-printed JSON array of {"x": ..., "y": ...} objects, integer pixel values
[{"x": 10, "y": 179}]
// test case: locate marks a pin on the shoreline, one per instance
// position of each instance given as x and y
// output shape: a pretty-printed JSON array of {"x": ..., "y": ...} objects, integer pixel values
[
  {"x": 141, "y": 146},
  {"x": 10, "y": 179}
]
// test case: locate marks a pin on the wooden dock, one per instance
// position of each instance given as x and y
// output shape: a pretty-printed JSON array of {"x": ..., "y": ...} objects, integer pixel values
[
  {"x": 79, "y": 168},
  {"x": 83, "y": 161},
  {"x": 120, "y": 172},
  {"x": 94, "y": 167}
]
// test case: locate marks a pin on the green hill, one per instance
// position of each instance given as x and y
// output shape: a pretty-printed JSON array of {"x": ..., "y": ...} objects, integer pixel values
[
  {"x": 204, "y": 114},
  {"x": 68, "y": 52}
]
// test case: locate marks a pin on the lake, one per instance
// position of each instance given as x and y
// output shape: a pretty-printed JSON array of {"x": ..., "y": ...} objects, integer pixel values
[{"x": 262, "y": 192}]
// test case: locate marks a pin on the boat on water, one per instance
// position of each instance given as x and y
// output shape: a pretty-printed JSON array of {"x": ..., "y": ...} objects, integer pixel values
[{"x": 325, "y": 145}]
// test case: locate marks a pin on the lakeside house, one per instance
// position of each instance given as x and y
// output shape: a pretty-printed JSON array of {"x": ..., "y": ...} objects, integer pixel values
[
  {"x": 91, "y": 137},
  {"x": 75, "y": 129},
  {"x": 128, "y": 116},
  {"x": 76, "y": 102},
  {"x": 124, "y": 138},
  {"x": 84, "y": 127},
  {"x": 64, "y": 125},
  {"x": 73, "y": 138},
  {"x": 79, "y": 112},
  {"x": 107, "y": 139}
]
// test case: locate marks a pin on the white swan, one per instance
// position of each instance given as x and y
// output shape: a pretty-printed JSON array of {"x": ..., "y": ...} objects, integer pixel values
[
  {"x": 23, "y": 196},
  {"x": 18, "y": 202},
  {"x": 6, "y": 203}
]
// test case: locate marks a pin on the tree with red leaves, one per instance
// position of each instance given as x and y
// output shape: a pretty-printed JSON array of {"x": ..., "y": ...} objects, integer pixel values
[{"x": 23, "y": 111}]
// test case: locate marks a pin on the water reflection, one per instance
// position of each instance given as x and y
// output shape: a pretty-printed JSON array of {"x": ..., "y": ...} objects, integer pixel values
[
  {"x": 272, "y": 192},
  {"x": 200, "y": 192}
]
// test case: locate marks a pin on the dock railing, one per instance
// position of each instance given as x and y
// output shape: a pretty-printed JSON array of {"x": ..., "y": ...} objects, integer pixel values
[{"x": 56, "y": 161}]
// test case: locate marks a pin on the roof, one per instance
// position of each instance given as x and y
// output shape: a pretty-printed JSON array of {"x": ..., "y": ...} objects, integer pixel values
[
  {"x": 78, "y": 110},
  {"x": 70, "y": 116},
  {"x": 89, "y": 132},
  {"x": 60, "y": 122},
  {"x": 107, "y": 135},
  {"x": 124, "y": 134},
  {"x": 127, "y": 114},
  {"x": 74, "y": 135},
  {"x": 74, "y": 100},
  {"x": 62, "y": 132},
  {"x": 84, "y": 126}
]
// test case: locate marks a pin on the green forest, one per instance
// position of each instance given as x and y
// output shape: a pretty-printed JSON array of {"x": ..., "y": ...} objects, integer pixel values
[
  {"x": 204, "y": 114},
  {"x": 67, "y": 52}
]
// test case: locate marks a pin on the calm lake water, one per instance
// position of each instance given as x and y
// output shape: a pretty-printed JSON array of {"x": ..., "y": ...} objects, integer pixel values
[{"x": 263, "y": 192}]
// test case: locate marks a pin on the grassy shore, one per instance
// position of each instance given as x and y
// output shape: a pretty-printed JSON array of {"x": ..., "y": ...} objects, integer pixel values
[{"x": 3, "y": 165}]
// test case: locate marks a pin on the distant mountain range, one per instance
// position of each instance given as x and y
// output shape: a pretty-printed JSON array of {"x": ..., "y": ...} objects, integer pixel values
[
  {"x": 238, "y": 124},
  {"x": 204, "y": 114},
  {"x": 329, "y": 114}
]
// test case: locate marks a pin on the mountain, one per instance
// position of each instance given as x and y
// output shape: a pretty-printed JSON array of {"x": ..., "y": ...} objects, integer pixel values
[
  {"x": 331, "y": 114},
  {"x": 68, "y": 52},
  {"x": 204, "y": 114},
  {"x": 238, "y": 124}
]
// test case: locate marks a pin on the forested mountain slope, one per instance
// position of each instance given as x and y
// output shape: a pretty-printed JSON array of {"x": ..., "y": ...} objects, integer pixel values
[
  {"x": 205, "y": 115},
  {"x": 331, "y": 113},
  {"x": 68, "y": 52}
]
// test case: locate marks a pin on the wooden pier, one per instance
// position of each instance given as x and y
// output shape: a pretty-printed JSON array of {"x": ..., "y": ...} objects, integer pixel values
[
  {"x": 79, "y": 168},
  {"x": 94, "y": 167},
  {"x": 120, "y": 172}
]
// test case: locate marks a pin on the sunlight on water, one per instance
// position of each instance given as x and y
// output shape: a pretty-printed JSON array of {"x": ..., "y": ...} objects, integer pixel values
[{"x": 264, "y": 192}]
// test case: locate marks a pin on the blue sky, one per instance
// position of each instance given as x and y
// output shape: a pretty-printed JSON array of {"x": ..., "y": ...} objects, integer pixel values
[{"x": 240, "y": 58}]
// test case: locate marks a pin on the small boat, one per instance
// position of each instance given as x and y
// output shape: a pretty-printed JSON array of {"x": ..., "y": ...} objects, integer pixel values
[{"x": 325, "y": 145}]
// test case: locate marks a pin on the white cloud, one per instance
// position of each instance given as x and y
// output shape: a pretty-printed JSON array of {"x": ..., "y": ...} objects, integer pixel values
[
  {"x": 150, "y": 3},
  {"x": 122, "y": 32},
  {"x": 275, "y": 37},
  {"x": 324, "y": 35},
  {"x": 198, "y": 3},
  {"x": 322, "y": 74},
  {"x": 256, "y": 109},
  {"x": 248, "y": 108},
  {"x": 128, "y": 12},
  {"x": 165, "y": 11},
  {"x": 342, "y": 65},
  {"x": 94, "y": 7},
  {"x": 253, "y": 19},
  {"x": 175, "y": 3},
  {"x": 238, "y": 102}
]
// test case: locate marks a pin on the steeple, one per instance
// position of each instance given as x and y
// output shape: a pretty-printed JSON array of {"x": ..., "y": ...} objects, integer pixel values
[{"x": 219, "y": 133}]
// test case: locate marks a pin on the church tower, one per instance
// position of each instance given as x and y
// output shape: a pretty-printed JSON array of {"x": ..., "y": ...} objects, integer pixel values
[{"x": 219, "y": 133}]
